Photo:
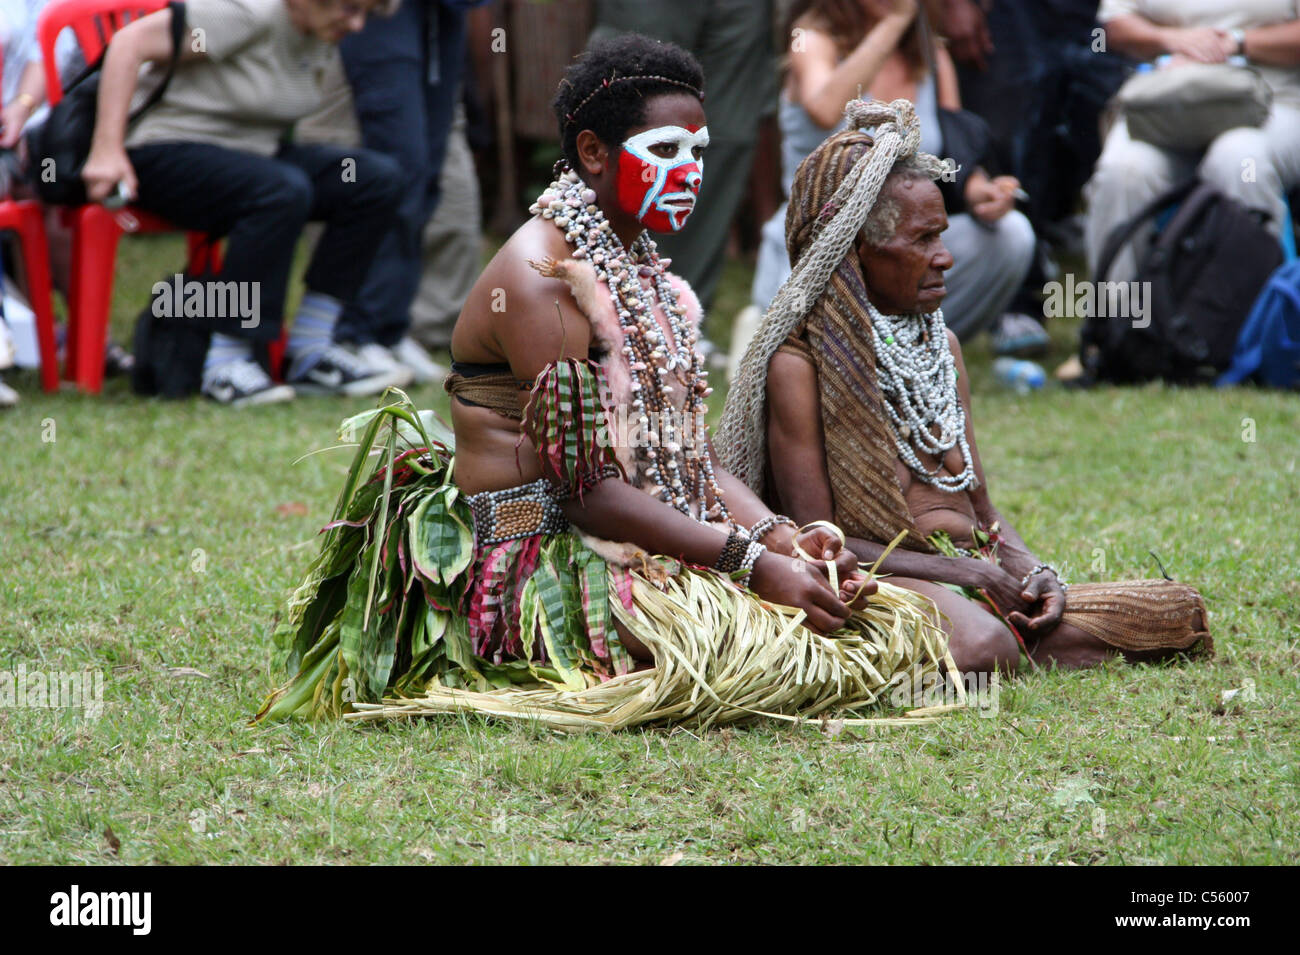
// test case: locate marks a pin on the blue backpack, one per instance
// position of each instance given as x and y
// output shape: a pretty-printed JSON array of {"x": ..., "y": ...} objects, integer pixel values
[{"x": 1268, "y": 347}]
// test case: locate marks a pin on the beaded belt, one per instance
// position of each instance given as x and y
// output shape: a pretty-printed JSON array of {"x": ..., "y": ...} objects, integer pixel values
[{"x": 516, "y": 512}]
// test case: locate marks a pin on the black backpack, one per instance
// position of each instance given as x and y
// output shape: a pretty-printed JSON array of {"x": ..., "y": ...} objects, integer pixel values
[
  {"x": 169, "y": 354},
  {"x": 169, "y": 350},
  {"x": 1205, "y": 268}
]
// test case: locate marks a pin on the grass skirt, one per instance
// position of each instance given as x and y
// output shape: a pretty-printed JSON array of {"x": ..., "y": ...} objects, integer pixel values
[
  {"x": 389, "y": 622},
  {"x": 724, "y": 656}
]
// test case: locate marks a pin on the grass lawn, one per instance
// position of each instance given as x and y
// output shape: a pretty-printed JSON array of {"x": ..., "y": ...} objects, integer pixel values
[{"x": 154, "y": 542}]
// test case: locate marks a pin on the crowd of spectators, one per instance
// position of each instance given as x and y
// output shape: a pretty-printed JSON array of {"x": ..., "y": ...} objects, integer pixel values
[{"x": 352, "y": 114}]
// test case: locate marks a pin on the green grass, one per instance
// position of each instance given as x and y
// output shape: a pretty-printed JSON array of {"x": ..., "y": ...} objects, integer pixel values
[{"x": 149, "y": 537}]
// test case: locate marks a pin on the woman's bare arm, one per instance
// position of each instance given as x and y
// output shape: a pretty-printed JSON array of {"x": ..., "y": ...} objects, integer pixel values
[
  {"x": 1275, "y": 45},
  {"x": 147, "y": 40},
  {"x": 823, "y": 83},
  {"x": 30, "y": 95},
  {"x": 1141, "y": 38},
  {"x": 1014, "y": 555}
]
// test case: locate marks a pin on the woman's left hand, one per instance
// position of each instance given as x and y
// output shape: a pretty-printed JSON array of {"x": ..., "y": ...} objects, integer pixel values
[
  {"x": 824, "y": 546},
  {"x": 1044, "y": 593}
]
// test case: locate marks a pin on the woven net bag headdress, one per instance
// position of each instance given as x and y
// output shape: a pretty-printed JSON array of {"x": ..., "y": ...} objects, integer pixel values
[{"x": 834, "y": 191}]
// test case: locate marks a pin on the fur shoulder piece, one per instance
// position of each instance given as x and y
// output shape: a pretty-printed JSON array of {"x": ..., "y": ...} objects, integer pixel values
[
  {"x": 686, "y": 296},
  {"x": 594, "y": 303}
]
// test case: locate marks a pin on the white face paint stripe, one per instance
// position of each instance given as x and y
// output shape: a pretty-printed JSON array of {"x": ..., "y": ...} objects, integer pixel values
[{"x": 685, "y": 142}]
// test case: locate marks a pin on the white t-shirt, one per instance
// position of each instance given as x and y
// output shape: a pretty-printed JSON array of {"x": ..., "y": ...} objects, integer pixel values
[
  {"x": 18, "y": 39},
  {"x": 1222, "y": 15},
  {"x": 260, "y": 76}
]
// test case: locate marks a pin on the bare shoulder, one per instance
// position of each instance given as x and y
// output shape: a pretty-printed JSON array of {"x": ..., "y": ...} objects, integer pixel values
[
  {"x": 788, "y": 372},
  {"x": 509, "y": 272},
  {"x": 514, "y": 312}
]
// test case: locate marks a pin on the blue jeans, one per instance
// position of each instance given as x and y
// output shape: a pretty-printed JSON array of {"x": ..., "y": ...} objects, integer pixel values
[{"x": 405, "y": 75}]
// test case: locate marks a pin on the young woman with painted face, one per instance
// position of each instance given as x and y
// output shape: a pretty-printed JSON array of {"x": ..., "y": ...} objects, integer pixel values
[
  {"x": 634, "y": 131},
  {"x": 580, "y": 445}
]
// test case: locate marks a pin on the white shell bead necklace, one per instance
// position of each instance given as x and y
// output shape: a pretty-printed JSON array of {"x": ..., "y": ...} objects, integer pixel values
[
  {"x": 918, "y": 377},
  {"x": 679, "y": 478}
]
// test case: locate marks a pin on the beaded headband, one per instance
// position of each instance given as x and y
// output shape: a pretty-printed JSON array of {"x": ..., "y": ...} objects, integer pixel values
[{"x": 605, "y": 84}]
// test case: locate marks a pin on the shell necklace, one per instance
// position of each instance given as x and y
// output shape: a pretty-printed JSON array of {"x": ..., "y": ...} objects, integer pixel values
[
  {"x": 918, "y": 376},
  {"x": 680, "y": 476}
]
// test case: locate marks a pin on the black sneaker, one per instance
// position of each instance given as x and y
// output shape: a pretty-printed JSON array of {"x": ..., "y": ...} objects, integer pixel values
[
  {"x": 243, "y": 382},
  {"x": 339, "y": 372}
]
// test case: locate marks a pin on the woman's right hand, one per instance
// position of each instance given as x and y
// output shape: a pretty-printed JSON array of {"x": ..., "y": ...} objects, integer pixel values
[
  {"x": 1201, "y": 44},
  {"x": 990, "y": 199},
  {"x": 791, "y": 582},
  {"x": 104, "y": 169},
  {"x": 1001, "y": 587}
]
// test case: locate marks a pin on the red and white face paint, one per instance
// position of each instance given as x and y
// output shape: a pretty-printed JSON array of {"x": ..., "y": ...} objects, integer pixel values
[{"x": 658, "y": 190}]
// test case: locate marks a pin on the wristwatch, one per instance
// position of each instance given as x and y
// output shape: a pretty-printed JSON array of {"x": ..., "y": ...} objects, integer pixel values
[{"x": 1239, "y": 38}]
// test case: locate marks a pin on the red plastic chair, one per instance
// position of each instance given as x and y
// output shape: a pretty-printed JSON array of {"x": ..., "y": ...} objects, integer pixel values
[
  {"x": 27, "y": 218},
  {"x": 95, "y": 229}
]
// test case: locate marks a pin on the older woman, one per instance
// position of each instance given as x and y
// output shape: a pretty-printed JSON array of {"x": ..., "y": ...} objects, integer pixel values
[
  {"x": 217, "y": 155},
  {"x": 853, "y": 405},
  {"x": 843, "y": 48},
  {"x": 581, "y": 452},
  {"x": 1256, "y": 166}
]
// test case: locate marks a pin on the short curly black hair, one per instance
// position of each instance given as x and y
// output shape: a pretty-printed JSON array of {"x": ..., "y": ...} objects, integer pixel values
[{"x": 619, "y": 106}]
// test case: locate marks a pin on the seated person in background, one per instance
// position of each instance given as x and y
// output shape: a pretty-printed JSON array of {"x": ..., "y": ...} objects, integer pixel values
[
  {"x": 24, "y": 80},
  {"x": 862, "y": 399},
  {"x": 23, "y": 94},
  {"x": 216, "y": 155},
  {"x": 1131, "y": 173},
  {"x": 844, "y": 48}
]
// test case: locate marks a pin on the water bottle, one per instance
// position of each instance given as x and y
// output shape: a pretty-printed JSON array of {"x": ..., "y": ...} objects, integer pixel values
[{"x": 1019, "y": 375}]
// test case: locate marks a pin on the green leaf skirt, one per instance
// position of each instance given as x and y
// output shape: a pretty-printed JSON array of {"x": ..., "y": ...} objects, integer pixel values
[{"x": 401, "y": 614}]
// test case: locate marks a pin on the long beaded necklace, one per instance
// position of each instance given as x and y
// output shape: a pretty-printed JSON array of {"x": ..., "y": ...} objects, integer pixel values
[
  {"x": 679, "y": 477},
  {"x": 918, "y": 377}
]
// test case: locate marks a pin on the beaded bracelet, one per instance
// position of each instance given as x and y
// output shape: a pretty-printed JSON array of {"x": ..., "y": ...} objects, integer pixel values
[
  {"x": 752, "y": 553},
  {"x": 769, "y": 524},
  {"x": 733, "y": 553},
  {"x": 1024, "y": 581}
]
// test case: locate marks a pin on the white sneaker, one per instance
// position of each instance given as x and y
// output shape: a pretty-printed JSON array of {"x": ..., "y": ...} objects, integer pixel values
[
  {"x": 8, "y": 397},
  {"x": 414, "y": 356},
  {"x": 243, "y": 382},
  {"x": 341, "y": 371},
  {"x": 383, "y": 361}
]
